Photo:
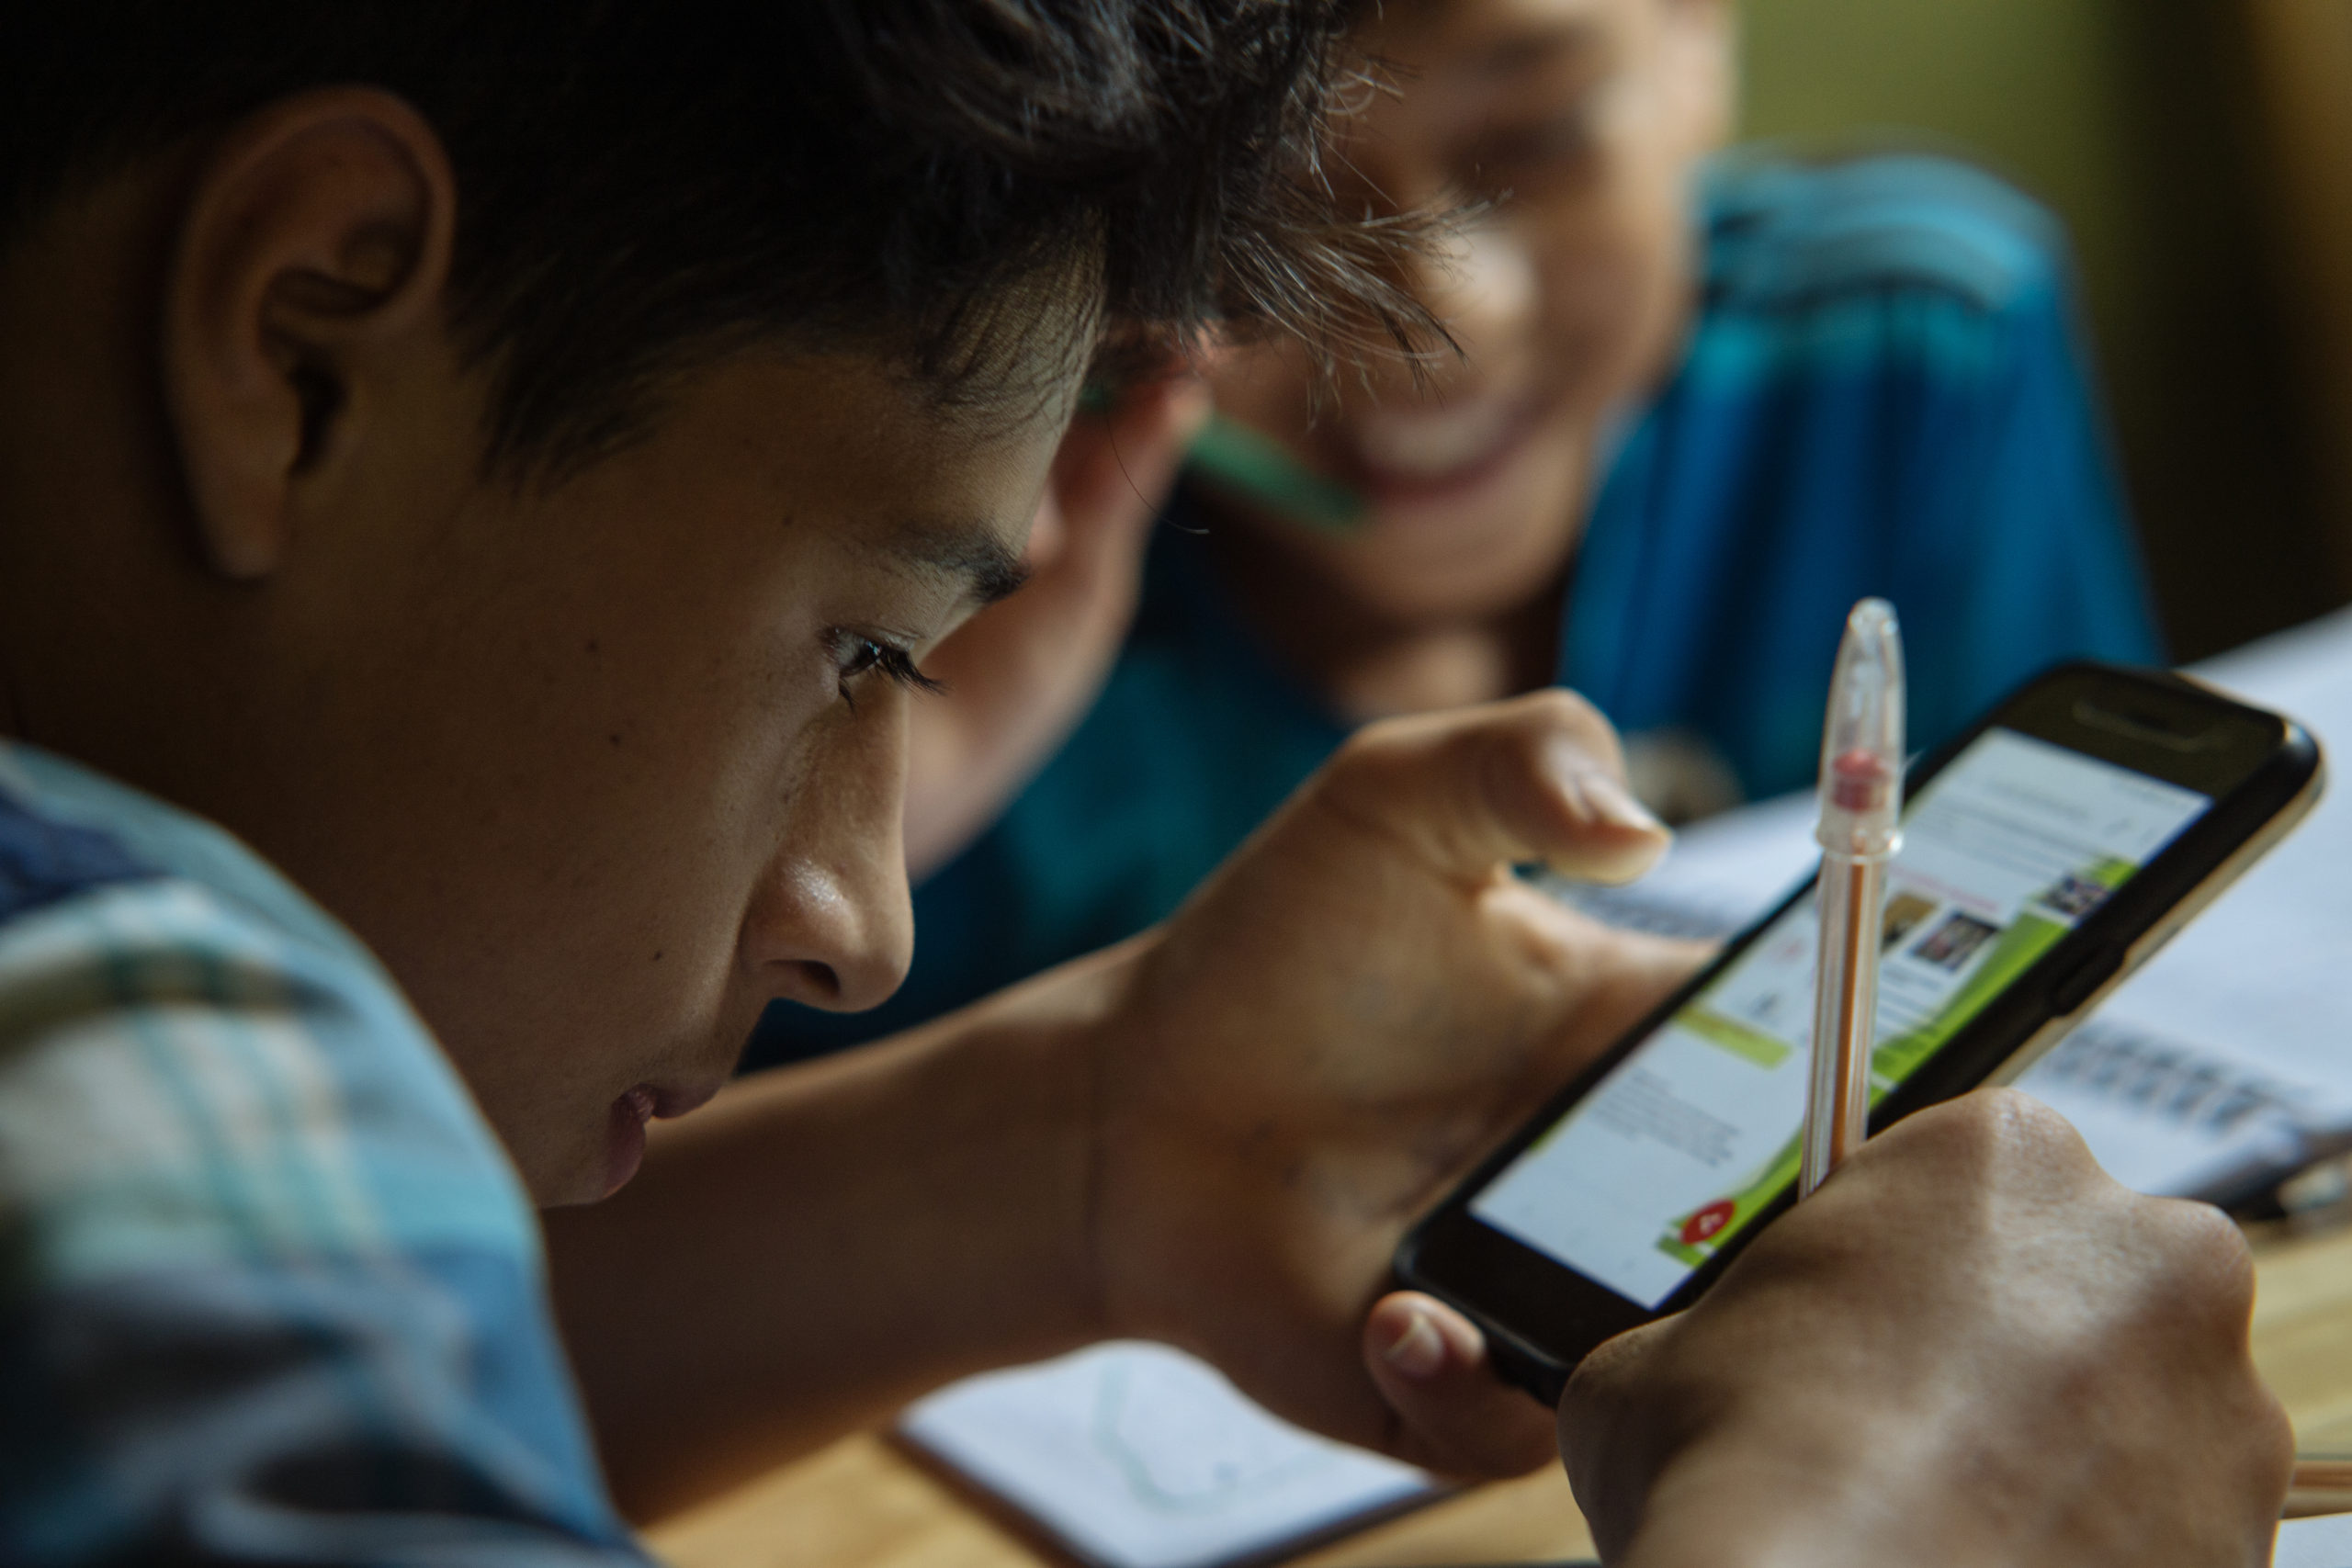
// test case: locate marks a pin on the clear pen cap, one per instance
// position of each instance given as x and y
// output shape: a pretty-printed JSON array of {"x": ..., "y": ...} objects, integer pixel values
[{"x": 1862, "y": 741}]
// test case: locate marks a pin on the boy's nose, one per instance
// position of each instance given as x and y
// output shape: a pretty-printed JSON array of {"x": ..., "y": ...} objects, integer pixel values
[
  {"x": 831, "y": 924},
  {"x": 836, "y": 939}
]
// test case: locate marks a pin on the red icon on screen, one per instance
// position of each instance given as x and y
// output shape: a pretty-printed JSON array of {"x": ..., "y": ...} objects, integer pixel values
[{"x": 1702, "y": 1226}]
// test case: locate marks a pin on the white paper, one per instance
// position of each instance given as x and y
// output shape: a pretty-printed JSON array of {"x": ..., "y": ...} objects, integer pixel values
[
  {"x": 1137, "y": 1456},
  {"x": 2228, "y": 1051},
  {"x": 2315, "y": 1543},
  {"x": 2263, "y": 977}
]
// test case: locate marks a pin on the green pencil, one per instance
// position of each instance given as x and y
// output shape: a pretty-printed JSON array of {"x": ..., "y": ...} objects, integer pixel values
[{"x": 1234, "y": 458}]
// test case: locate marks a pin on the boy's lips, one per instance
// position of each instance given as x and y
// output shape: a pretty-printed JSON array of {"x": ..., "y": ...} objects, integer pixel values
[
  {"x": 676, "y": 1099},
  {"x": 625, "y": 1123},
  {"x": 1435, "y": 453}
]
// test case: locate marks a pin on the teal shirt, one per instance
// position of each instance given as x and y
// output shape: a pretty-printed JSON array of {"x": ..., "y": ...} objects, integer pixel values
[{"x": 1883, "y": 392}]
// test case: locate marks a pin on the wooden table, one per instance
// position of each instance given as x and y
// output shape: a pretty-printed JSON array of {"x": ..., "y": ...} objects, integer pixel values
[{"x": 863, "y": 1504}]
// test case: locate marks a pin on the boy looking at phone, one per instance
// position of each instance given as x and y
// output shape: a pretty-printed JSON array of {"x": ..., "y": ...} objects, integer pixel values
[
  {"x": 1701, "y": 408},
  {"x": 493, "y": 467}
]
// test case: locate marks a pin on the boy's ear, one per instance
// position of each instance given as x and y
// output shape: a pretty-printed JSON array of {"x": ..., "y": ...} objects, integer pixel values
[{"x": 316, "y": 236}]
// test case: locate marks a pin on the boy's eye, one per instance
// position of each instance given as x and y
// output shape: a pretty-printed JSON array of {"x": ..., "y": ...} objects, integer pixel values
[
  {"x": 855, "y": 655},
  {"x": 1524, "y": 150}
]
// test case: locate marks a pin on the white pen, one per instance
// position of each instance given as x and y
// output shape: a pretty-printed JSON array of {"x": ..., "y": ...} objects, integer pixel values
[{"x": 1862, "y": 810}]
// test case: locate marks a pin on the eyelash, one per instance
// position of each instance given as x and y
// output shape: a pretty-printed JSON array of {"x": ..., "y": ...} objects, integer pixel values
[{"x": 855, "y": 655}]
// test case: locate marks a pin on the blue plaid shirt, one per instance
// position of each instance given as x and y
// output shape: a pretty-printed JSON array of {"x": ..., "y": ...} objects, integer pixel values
[{"x": 269, "y": 1290}]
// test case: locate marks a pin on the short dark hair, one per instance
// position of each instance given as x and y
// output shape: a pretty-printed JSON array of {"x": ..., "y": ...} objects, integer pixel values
[{"x": 645, "y": 184}]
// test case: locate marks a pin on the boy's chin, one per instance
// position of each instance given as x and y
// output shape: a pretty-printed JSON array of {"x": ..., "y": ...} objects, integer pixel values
[
  {"x": 1473, "y": 554},
  {"x": 593, "y": 1164}
]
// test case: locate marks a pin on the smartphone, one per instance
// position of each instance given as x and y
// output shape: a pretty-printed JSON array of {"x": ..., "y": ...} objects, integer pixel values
[{"x": 2046, "y": 854}]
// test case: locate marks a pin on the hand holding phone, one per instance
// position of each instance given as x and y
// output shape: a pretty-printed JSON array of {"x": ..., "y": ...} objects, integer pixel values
[
  {"x": 1334, "y": 1029},
  {"x": 1879, "y": 1368},
  {"x": 2047, "y": 852},
  {"x": 1970, "y": 1347}
]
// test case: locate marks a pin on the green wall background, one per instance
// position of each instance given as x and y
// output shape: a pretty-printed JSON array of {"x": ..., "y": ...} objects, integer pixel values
[
  {"x": 2136, "y": 121},
  {"x": 2033, "y": 89}
]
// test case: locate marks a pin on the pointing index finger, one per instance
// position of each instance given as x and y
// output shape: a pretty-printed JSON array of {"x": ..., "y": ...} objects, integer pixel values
[{"x": 1537, "y": 778}]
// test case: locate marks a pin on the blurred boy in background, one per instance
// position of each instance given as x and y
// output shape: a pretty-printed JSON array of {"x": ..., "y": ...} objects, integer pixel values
[{"x": 1700, "y": 407}]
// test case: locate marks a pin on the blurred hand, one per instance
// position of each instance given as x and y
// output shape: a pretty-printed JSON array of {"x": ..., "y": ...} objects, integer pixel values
[
  {"x": 1970, "y": 1347},
  {"x": 1358, "y": 1006},
  {"x": 1022, "y": 673}
]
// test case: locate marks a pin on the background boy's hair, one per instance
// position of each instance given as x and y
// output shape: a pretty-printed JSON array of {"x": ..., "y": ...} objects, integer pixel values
[{"x": 643, "y": 185}]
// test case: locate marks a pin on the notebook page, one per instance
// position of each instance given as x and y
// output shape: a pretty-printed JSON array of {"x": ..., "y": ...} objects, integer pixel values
[
  {"x": 2315, "y": 1543},
  {"x": 2262, "y": 975},
  {"x": 1135, "y": 1455}
]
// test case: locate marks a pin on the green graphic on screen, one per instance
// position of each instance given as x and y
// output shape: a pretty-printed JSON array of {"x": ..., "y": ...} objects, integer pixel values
[{"x": 1690, "y": 1137}]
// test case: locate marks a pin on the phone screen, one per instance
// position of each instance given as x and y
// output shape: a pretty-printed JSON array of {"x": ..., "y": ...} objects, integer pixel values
[{"x": 1695, "y": 1132}]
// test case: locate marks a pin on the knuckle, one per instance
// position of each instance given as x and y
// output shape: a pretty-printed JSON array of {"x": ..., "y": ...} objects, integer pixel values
[
  {"x": 1373, "y": 759},
  {"x": 1371, "y": 745},
  {"x": 2211, "y": 1236},
  {"x": 1414, "y": 740},
  {"x": 2205, "y": 1252},
  {"x": 1505, "y": 760},
  {"x": 1994, "y": 1131},
  {"x": 1617, "y": 1376},
  {"x": 2271, "y": 1446},
  {"x": 1560, "y": 707},
  {"x": 2017, "y": 1118},
  {"x": 1556, "y": 712},
  {"x": 1526, "y": 727},
  {"x": 1966, "y": 1133}
]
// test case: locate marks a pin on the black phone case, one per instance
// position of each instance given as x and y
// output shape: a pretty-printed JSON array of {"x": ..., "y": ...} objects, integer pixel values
[{"x": 1448, "y": 1246}]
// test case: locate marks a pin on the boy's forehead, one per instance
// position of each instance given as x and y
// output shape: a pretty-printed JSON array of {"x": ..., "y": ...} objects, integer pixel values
[
  {"x": 958, "y": 510},
  {"x": 1499, "y": 37},
  {"x": 937, "y": 489}
]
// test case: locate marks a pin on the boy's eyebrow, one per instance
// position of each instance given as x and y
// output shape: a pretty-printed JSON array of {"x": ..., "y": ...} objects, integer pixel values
[
  {"x": 1530, "y": 47},
  {"x": 972, "y": 551}
]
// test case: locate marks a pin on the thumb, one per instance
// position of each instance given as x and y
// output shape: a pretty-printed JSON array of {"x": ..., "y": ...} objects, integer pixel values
[
  {"x": 1452, "y": 1415},
  {"x": 1535, "y": 778}
]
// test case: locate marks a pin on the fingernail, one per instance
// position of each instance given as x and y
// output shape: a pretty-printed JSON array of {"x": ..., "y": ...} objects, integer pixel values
[
  {"x": 1615, "y": 804},
  {"x": 1420, "y": 1351}
]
